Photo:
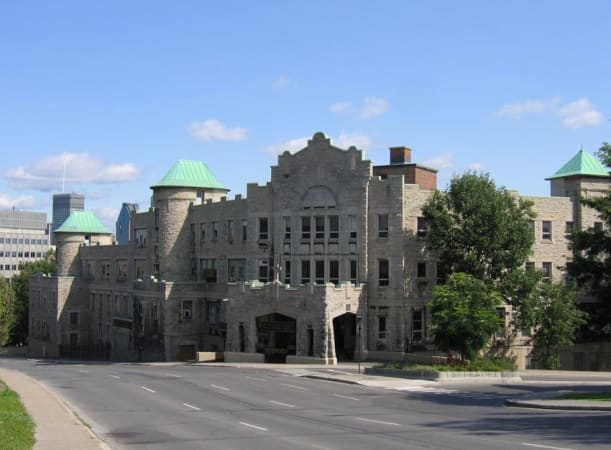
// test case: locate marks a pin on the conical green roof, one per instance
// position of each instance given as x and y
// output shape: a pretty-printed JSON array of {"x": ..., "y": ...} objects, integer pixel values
[
  {"x": 82, "y": 222},
  {"x": 583, "y": 163},
  {"x": 193, "y": 174}
]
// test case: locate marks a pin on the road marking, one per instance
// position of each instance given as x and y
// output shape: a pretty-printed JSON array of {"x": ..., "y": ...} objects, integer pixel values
[
  {"x": 147, "y": 389},
  {"x": 253, "y": 426},
  {"x": 192, "y": 407},
  {"x": 294, "y": 387},
  {"x": 83, "y": 371},
  {"x": 431, "y": 390},
  {"x": 219, "y": 387},
  {"x": 379, "y": 421},
  {"x": 115, "y": 376},
  {"x": 346, "y": 397},
  {"x": 527, "y": 444},
  {"x": 282, "y": 404},
  {"x": 172, "y": 375},
  {"x": 256, "y": 379}
]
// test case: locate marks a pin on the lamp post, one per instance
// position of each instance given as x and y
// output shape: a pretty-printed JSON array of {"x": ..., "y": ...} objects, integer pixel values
[{"x": 359, "y": 320}]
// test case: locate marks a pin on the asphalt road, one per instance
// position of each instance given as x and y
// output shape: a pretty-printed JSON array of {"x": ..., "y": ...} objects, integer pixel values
[{"x": 193, "y": 407}]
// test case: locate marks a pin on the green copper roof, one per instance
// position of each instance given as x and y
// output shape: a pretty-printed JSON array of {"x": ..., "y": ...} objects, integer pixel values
[
  {"x": 583, "y": 163},
  {"x": 82, "y": 222},
  {"x": 194, "y": 174}
]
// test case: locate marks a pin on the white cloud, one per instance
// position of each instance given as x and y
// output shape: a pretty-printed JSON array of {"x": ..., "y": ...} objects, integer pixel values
[
  {"x": 476, "y": 166},
  {"x": 443, "y": 161},
  {"x": 370, "y": 107},
  {"x": 213, "y": 129},
  {"x": 344, "y": 140},
  {"x": 107, "y": 214},
  {"x": 80, "y": 168},
  {"x": 282, "y": 82},
  {"x": 577, "y": 114},
  {"x": 21, "y": 202}
]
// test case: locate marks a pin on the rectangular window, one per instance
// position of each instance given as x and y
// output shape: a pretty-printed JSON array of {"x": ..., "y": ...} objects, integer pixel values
[
  {"x": 421, "y": 227},
  {"x": 202, "y": 233},
  {"x": 287, "y": 228},
  {"x": 263, "y": 270},
  {"x": 568, "y": 227},
  {"x": 106, "y": 270},
  {"x": 382, "y": 327},
  {"x": 236, "y": 270},
  {"x": 546, "y": 268},
  {"x": 598, "y": 227},
  {"x": 421, "y": 270},
  {"x": 141, "y": 237},
  {"x": 74, "y": 318},
  {"x": 352, "y": 227},
  {"x": 546, "y": 229},
  {"x": 215, "y": 231},
  {"x": 319, "y": 271},
  {"x": 334, "y": 271},
  {"x": 333, "y": 227},
  {"x": 382, "y": 225},
  {"x": 287, "y": 272},
  {"x": 208, "y": 268},
  {"x": 230, "y": 231},
  {"x": 383, "y": 276},
  {"x": 353, "y": 272},
  {"x": 187, "y": 309},
  {"x": 263, "y": 229},
  {"x": 305, "y": 271},
  {"x": 306, "y": 227},
  {"x": 319, "y": 223},
  {"x": 417, "y": 328}
]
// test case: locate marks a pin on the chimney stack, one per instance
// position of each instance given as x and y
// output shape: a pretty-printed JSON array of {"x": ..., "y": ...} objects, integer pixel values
[{"x": 400, "y": 155}]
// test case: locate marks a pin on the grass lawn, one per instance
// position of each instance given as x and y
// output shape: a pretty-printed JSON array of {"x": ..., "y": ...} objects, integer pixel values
[
  {"x": 16, "y": 426},
  {"x": 598, "y": 396}
]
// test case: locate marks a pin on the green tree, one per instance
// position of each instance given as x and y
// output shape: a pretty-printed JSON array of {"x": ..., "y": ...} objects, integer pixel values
[
  {"x": 464, "y": 314},
  {"x": 558, "y": 318},
  {"x": 7, "y": 319},
  {"x": 21, "y": 288},
  {"x": 591, "y": 266}
]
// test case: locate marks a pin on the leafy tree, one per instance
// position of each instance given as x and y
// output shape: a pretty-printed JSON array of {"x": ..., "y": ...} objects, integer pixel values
[
  {"x": 591, "y": 265},
  {"x": 464, "y": 314},
  {"x": 21, "y": 288},
  {"x": 558, "y": 318},
  {"x": 7, "y": 300}
]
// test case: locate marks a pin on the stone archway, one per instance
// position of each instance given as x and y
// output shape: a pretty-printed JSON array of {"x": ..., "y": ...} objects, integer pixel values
[
  {"x": 276, "y": 337},
  {"x": 344, "y": 330}
]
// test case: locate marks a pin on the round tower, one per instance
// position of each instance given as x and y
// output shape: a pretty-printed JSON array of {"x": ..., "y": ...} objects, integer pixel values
[{"x": 185, "y": 184}]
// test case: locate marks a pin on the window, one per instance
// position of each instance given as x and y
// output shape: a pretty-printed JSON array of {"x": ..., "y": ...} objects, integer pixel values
[
  {"x": 319, "y": 223},
  {"x": 215, "y": 231},
  {"x": 417, "y": 328},
  {"x": 353, "y": 272},
  {"x": 598, "y": 227},
  {"x": 382, "y": 327},
  {"x": 421, "y": 227},
  {"x": 106, "y": 270},
  {"x": 236, "y": 270},
  {"x": 287, "y": 227},
  {"x": 202, "y": 233},
  {"x": 421, "y": 270},
  {"x": 352, "y": 227},
  {"x": 382, "y": 225},
  {"x": 334, "y": 271},
  {"x": 214, "y": 313},
  {"x": 383, "y": 272},
  {"x": 287, "y": 272},
  {"x": 230, "y": 230},
  {"x": 546, "y": 229},
  {"x": 319, "y": 266},
  {"x": 263, "y": 229},
  {"x": 305, "y": 227},
  {"x": 500, "y": 312},
  {"x": 305, "y": 271},
  {"x": 141, "y": 237},
  {"x": 187, "y": 309},
  {"x": 569, "y": 227},
  {"x": 244, "y": 229},
  {"x": 531, "y": 226},
  {"x": 546, "y": 268},
  {"x": 263, "y": 270},
  {"x": 74, "y": 318},
  {"x": 333, "y": 227},
  {"x": 208, "y": 268}
]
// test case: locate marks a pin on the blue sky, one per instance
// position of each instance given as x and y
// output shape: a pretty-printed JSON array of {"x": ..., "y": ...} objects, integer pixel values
[{"x": 120, "y": 90}]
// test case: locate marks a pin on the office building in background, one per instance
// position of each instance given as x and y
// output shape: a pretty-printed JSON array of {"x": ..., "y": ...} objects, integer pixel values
[
  {"x": 24, "y": 237},
  {"x": 63, "y": 206}
]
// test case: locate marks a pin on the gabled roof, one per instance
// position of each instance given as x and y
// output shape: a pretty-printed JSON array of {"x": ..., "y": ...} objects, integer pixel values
[
  {"x": 82, "y": 222},
  {"x": 583, "y": 163},
  {"x": 193, "y": 174}
]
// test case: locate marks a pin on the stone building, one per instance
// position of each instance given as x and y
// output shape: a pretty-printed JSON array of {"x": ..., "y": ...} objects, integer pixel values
[{"x": 326, "y": 261}]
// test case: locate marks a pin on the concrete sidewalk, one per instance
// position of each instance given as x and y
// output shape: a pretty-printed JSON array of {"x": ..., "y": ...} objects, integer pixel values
[{"x": 57, "y": 427}]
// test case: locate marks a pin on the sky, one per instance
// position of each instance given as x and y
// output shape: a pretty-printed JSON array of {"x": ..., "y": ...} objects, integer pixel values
[{"x": 102, "y": 98}]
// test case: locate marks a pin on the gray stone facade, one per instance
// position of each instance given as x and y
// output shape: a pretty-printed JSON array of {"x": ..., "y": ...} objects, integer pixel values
[{"x": 327, "y": 261}]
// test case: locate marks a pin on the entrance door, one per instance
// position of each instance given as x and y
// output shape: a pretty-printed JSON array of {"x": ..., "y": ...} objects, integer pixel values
[
  {"x": 276, "y": 337},
  {"x": 344, "y": 329}
]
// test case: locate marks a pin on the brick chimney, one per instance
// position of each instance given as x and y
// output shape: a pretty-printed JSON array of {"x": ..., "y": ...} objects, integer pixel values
[{"x": 400, "y": 155}]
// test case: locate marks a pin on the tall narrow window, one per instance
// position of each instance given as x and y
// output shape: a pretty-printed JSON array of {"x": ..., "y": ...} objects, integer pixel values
[
  {"x": 305, "y": 271},
  {"x": 202, "y": 233},
  {"x": 568, "y": 227},
  {"x": 287, "y": 228},
  {"x": 334, "y": 271},
  {"x": 320, "y": 272},
  {"x": 531, "y": 226},
  {"x": 383, "y": 225},
  {"x": 305, "y": 227},
  {"x": 287, "y": 272},
  {"x": 381, "y": 327},
  {"x": 546, "y": 268},
  {"x": 319, "y": 222},
  {"x": 353, "y": 273},
  {"x": 215, "y": 231},
  {"x": 263, "y": 270},
  {"x": 208, "y": 267},
  {"x": 263, "y": 229},
  {"x": 421, "y": 227},
  {"x": 546, "y": 229},
  {"x": 244, "y": 229},
  {"x": 230, "y": 230},
  {"x": 383, "y": 276},
  {"x": 421, "y": 270},
  {"x": 598, "y": 227},
  {"x": 352, "y": 227},
  {"x": 417, "y": 326},
  {"x": 333, "y": 227}
]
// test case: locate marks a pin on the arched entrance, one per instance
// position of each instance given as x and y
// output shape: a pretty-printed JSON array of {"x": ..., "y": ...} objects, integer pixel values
[
  {"x": 276, "y": 337},
  {"x": 344, "y": 329}
]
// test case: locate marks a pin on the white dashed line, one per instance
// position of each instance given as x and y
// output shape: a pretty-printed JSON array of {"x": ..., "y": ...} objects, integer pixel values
[
  {"x": 282, "y": 404},
  {"x": 527, "y": 444},
  {"x": 147, "y": 389},
  {"x": 192, "y": 407},
  {"x": 294, "y": 387},
  {"x": 219, "y": 387},
  {"x": 173, "y": 376},
  {"x": 115, "y": 376},
  {"x": 379, "y": 421},
  {"x": 255, "y": 379},
  {"x": 253, "y": 426},
  {"x": 346, "y": 397},
  {"x": 83, "y": 371}
]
